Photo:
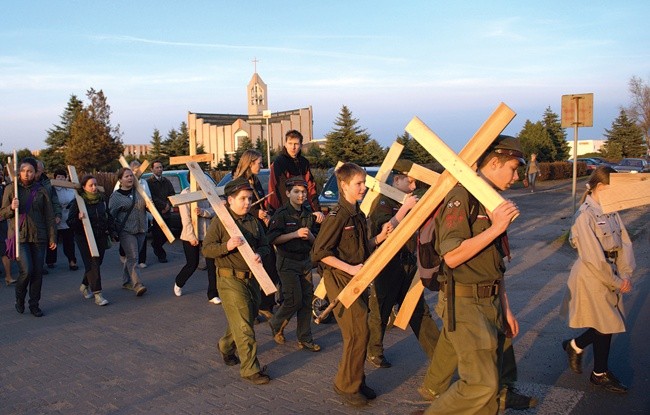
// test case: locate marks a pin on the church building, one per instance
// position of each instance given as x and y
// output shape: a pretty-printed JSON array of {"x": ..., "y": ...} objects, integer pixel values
[{"x": 221, "y": 134}]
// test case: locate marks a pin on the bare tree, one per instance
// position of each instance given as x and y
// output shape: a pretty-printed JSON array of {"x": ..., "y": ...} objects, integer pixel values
[{"x": 639, "y": 110}]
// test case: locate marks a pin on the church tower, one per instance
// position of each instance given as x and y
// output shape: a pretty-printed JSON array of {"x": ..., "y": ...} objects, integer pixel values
[{"x": 257, "y": 98}]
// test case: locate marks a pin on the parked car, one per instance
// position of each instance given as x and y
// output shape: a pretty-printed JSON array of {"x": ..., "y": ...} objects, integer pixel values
[
  {"x": 329, "y": 195},
  {"x": 632, "y": 165},
  {"x": 591, "y": 163},
  {"x": 263, "y": 176},
  {"x": 179, "y": 180},
  {"x": 603, "y": 162}
]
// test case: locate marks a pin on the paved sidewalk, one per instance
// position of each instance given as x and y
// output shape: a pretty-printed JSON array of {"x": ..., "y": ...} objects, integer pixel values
[{"x": 157, "y": 355}]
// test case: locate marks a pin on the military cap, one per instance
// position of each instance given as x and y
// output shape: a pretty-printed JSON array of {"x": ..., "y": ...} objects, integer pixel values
[
  {"x": 402, "y": 166},
  {"x": 509, "y": 146},
  {"x": 296, "y": 181},
  {"x": 236, "y": 185}
]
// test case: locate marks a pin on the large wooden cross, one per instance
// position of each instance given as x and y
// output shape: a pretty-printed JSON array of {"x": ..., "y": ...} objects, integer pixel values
[
  {"x": 626, "y": 190},
  {"x": 209, "y": 191},
  {"x": 152, "y": 208},
  {"x": 427, "y": 204}
]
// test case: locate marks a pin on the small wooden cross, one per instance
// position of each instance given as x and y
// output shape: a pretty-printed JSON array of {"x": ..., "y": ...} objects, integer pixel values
[{"x": 152, "y": 208}]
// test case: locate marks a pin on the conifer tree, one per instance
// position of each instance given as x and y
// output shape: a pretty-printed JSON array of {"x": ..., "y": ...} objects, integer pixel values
[
  {"x": 624, "y": 139},
  {"x": 347, "y": 142},
  {"x": 557, "y": 134},
  {"x": 58, "y": 136},
  {"x": 535, "y": 139},
  {"x": 156, "y": 146}
]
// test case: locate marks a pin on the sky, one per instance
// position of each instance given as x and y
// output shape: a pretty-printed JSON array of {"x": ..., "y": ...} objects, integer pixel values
[{"x": 449, "y": 63}]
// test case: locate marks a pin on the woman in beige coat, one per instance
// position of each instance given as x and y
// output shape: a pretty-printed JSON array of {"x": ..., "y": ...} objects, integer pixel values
[{"x": 597, "y": 280}]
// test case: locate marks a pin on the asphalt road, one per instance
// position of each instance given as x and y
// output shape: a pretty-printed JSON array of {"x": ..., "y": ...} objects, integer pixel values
[{"x": 156, "y": 354}]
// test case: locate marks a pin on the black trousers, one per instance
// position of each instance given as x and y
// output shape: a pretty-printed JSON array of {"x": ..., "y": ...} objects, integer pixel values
[
  {"x": 192, "y": 263},
  {"x": 158, "y": 239},
  {"x": 66, "y": 238},
  {"x": 92, "y": 274}
]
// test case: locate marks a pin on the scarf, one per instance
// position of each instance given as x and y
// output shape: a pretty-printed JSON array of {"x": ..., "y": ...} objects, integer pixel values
[{"x": 91, "y": 198}]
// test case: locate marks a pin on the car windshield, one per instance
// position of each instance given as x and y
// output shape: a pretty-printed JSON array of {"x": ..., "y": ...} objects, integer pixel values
[
  {"x": 263, "y": 177},
  {"x": 331, "y": 189}
]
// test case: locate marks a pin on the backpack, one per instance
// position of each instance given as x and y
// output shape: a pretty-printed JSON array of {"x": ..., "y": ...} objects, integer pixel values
[{"x": 429, "y": 261}]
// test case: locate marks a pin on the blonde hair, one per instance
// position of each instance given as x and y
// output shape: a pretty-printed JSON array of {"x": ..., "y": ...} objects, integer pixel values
[
  {"x": 600, "y": 175},
  {"x": 346, "y": 173},
  {"x": 244, "y": 165}
]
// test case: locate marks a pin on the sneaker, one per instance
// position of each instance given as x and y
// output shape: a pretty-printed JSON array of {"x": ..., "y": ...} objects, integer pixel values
[
  {"x": 100, "y": 300},
  {"x": 428, "y": 394},
  {"x": 139, "y": 289},
  {"x": 258, "y": 378},
  {"x": 575, "y": 358},
  {"x": 10, "y": 281},
  {"x": 310, "y": 346},
  {"x": 122, "y": 259},
  {"x": 379, "y": 361},
  {"x": 127, "y": 286},
  {"x": 515, "y": 400},
  {"x": 178, "y": 291},
  {"x": 352, "y": 399},
  {"x": 278, "y": 336},
  {"x": 266, "y": 314},
  {"x": 215, "y": 300},
  {"x": 230, "y": 359},
  {"x": 608, "y": 381},
  {"x": 142, "y": 265},
  {"x": 85, "y": 291}
]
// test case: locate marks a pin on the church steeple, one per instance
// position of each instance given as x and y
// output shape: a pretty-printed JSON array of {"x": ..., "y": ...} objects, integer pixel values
[{"x": 257, "y": 93}]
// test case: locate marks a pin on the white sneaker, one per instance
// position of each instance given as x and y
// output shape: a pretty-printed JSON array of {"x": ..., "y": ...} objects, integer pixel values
[
  {"x": 142, "y": 265},
  {"x": 100, "y": 300},
  {"x": 215, "y": 300},
  {"x": 178, "y": 290},
  {"x": 85, "y": 291},
  {"x": 123, "y": 259}
]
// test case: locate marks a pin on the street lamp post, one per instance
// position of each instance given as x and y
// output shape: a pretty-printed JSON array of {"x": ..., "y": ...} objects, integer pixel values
[{"x": 267, "y": 114}]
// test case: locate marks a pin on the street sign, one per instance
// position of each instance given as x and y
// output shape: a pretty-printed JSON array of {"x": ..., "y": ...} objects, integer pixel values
[{"x": 584, "y": 103}]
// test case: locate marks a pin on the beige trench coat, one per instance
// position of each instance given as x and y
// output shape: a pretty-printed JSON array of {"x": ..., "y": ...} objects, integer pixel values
[{"x": 593, "y": 298}]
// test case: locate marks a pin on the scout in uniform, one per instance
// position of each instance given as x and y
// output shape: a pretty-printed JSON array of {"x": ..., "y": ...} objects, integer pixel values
[
  {"x": 340, "y": 249},
  {"x": 239, "y": 290},
  {"x": 472, "y": 302},
  {"x": 392, "y": 283},
  {"x": 290, "y": 230}
]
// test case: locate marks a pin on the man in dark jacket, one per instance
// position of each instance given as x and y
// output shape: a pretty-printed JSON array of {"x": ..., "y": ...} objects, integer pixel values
[{"x": 161, "y": 188}]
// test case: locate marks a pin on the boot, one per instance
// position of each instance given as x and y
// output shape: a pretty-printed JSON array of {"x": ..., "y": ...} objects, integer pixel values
[{"x": 99, "y": 299}]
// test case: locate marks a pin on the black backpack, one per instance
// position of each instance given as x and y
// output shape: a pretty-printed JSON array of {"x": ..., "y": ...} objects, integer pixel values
[{"x": 430, "y": 261}]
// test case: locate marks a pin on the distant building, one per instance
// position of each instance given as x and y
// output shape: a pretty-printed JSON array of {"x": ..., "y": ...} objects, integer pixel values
[
  {"x": 586, "y": 146},
  {"x": 136, "y": 150},
  {"x": 221, "y": 134}
]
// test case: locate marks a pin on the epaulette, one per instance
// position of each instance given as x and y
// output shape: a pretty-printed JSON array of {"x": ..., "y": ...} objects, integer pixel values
[{"x": 334, "y": 211}]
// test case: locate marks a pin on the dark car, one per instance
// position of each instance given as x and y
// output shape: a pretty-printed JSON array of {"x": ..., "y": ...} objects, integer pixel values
[
  {"x": 591, "y": 163},
  {"x": 632, "y": 165},
  {"x": 329, "y": 195},
  {"x": 179, "y": 180},
  {"x": 603, "y": 162}
]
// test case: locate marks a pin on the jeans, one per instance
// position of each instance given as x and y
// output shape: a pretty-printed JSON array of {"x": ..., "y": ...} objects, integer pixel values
[
  {"x": 131, "y": 243},
  {"x": 30, "y": 273}
]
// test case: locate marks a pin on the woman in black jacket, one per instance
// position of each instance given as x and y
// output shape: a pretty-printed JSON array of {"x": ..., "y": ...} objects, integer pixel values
[{"x": 98, "y": 216}]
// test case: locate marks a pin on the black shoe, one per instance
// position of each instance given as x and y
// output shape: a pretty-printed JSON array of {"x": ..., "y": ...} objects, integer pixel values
[
  {"x": 162, "y": 260},
  {"x": 575, "y": 358},
  {"x": 352, "y": 399},
  {"x": 379, "y": 361},
  {"x": 36, "y": 312},
  {"x": 258, "y": 378},
  {"x": 51, "y": 265},
  {"x": 609, "y": 382},
  {"x": 74, "y": 267},
  {"x": 45, "y": 271},
  {"x": 20, "y": 307},
  {"x": 230, "y": 359},
  {"x": 367, "y": 391},
  {"x": 515, "y": 400}
]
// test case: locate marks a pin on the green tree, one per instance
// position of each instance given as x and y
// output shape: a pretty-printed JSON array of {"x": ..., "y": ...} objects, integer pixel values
[
  {"x": 347, "y": 142},
  {"x": 535, "y": 139},
  {"x": 374, "y": 154},
  {"x": 557, "y": 134},
  {"x": 94, "y": 145},
  {"x": 624, "y": 139},
  {"x": 639, "y": 110},
  {"x": 244, "y": 144},
  {"x": 59, "y": 135},
  {"x": 156, "y": 146}
]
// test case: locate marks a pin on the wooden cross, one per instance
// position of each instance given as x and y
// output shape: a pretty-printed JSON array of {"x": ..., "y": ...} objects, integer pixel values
[
  {"x": 88, "y": 230},
  {"x": 209, "y": 191},
  {"x": 12, "y": 167},
  {"x": 152, "y": 208},
  {"x": 626, "y": 190},
  {"x": 141, "y": 169},
  {"x": 426, "y": 205}
]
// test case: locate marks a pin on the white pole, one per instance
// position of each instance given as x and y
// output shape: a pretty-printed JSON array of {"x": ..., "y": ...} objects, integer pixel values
[{"x": 16, "y": 214}]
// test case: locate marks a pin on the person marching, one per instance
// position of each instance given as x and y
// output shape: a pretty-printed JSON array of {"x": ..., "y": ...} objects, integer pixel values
[
  {"x": 340, "y": 248},
  {"x": 238, "y": 288},
  {"x": 65, "y": 195},
  {"x": 532, "y": 170},
  {"x": 391, "y": 285},
  {"x": 192, "y": 240},
  {"x": 91, "y": 285},
  {"x": 291, "y": 230},
  {"x": 472, "y": 302},
  {"x": 37, "y": 229},
  {"x": 598, "y": 278},
  {"x": 161, "y": 188},
  {"x": 6, "y": 262}
]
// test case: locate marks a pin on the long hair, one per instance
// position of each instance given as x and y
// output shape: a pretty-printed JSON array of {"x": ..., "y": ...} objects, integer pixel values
[
  {"x": 600, "y": 175},
  {"x": 244, "y": 165}
]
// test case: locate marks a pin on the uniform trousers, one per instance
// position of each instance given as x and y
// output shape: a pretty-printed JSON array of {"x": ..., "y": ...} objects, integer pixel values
[
  {"x": 297, "y": 291},
  {"x": 475, "y": 343},
  {"x": 240, "y": 300},
  {"x": 353, "y": 322},
  {"x": 388, "y": 289}
]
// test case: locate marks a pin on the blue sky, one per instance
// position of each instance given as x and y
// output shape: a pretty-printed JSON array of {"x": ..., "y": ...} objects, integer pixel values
[{"x": 449, "y": 63}]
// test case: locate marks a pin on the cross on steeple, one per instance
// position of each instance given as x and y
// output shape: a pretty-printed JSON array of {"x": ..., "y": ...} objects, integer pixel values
[{"x": 255, "y": 64}]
